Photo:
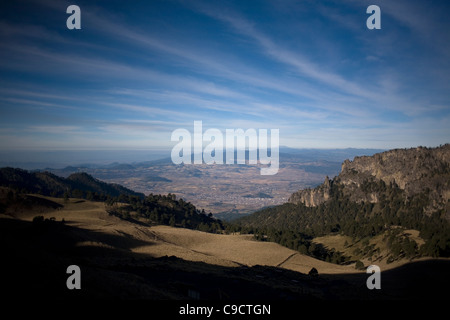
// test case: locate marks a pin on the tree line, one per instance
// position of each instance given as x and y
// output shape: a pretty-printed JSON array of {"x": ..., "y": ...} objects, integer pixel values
[
  {"x": 163, "y": 209},
  {"x": 294, "y": 225},
  {"x": 119, "y": 201}
]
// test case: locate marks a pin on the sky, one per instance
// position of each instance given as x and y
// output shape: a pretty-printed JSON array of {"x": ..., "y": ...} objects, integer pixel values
[{"x": 138, "y": 70}]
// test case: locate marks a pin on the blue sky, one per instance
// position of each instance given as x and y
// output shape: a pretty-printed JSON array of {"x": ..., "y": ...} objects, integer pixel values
[{"x": 137, "y": 70}]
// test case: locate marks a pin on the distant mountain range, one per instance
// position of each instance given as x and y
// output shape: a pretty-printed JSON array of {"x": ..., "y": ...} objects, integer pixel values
[{"x": 66, "y": 159}]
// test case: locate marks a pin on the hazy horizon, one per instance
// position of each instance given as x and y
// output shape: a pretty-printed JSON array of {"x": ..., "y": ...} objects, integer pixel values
[{"x": 58, "y": 159}]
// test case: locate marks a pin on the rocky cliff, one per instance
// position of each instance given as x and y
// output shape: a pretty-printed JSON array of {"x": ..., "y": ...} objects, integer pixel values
[
  {"x": 424, "y": 171},
  {"x": 313, "y": 197}
]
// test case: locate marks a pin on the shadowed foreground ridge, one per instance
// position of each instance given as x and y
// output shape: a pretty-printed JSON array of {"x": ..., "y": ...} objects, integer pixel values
[
  {"x": 36, "y": 256},
  {"x": 135, "y": 247}
]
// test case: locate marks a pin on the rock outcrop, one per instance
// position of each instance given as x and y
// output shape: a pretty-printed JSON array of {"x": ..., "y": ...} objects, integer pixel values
[
  {"x": 415, "y": 171},
  {"x": 313, "y": 197}
]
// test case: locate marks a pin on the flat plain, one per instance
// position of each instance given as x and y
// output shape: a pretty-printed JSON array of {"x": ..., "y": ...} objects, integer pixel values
[{"x": 227, "y": 191}]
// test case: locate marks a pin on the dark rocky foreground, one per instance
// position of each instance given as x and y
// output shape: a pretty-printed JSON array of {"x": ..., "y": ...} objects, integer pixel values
[{"x": 35, "y": 258}]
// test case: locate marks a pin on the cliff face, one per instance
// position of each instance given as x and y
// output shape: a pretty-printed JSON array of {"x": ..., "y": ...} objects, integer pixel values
[
  {"x": 415, "y": 171},
  {"x": 313, "y": 197}
]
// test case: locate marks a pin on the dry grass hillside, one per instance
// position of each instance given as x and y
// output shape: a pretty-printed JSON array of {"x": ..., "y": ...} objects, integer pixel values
[
  {"x": 123, "y": 259},
  {"x": 191, "y": 245}
]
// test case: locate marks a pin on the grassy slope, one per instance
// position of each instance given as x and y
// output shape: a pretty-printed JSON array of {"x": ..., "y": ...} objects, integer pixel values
[
  {"x": 348, "y": 248},
  {"x": 124, "y": 259},
  {"x": 192, "y": 245}
]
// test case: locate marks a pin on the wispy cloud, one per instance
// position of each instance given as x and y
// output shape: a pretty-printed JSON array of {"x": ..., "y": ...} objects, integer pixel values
[
  {"x": 293, "y": 59},
  {"x": 321, "y": 78}
]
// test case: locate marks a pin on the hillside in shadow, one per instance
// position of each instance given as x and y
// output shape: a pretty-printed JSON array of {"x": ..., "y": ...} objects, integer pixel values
[{"x": 35, "y": 256}]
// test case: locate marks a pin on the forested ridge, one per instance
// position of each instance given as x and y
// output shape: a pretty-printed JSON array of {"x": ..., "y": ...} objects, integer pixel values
[
  {"x": 163, "y": 209},
  {"x": 359, "y": 205},
  {"x": 77, "y": 185},
  {"x": 119, "y": 201}
]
